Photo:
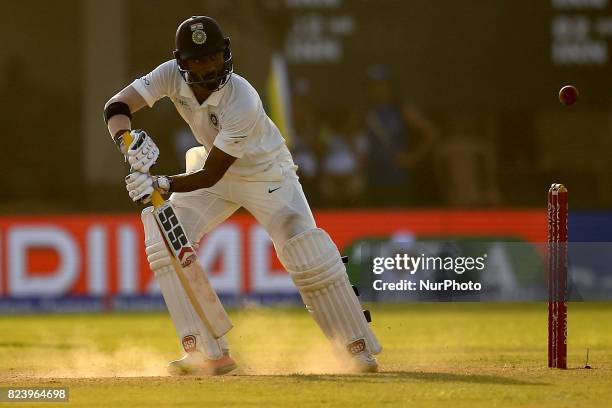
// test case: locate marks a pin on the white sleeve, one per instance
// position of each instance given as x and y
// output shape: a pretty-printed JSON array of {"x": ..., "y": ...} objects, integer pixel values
[
  {"x": 157, "y": 83},
  {"x": 237, "y": 123}
]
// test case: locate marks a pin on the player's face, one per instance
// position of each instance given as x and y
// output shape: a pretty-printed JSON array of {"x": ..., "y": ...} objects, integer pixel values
[{"x": 208, "y": 67}]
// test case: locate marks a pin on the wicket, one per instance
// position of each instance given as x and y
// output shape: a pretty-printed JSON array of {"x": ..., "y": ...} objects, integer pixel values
[{"x": 557, "y": 276}]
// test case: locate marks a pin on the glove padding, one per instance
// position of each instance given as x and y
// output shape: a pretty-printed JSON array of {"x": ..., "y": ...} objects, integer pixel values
[
  {"x": 142, "y": 153},
  {"x": 139, "y": 186}
]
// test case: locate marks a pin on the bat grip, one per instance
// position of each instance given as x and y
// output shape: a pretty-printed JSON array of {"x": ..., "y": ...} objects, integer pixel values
[{"x": 157, "y": 199}]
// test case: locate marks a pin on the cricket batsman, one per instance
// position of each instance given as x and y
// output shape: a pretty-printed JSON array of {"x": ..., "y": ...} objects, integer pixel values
[{"x": 243, "y": 162}]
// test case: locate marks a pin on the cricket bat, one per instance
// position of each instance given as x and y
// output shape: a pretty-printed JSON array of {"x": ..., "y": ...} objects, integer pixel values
[{"x": 192, "y": 276}]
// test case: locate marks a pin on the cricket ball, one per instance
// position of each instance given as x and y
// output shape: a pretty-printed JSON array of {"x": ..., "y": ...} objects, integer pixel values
[{"x": 568, "y": 95}]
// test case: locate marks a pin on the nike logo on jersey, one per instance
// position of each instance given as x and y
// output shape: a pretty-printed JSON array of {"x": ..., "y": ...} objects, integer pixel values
[{"x": 271, "y": 190}]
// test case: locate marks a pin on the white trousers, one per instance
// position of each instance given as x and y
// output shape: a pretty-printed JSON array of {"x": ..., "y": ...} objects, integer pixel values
[{"x": 274, "y": 197}]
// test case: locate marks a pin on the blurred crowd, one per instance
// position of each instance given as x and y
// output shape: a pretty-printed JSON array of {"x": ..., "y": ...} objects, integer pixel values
[
  {"x": 367, "y": 155},
  {"x": 385, "y": 152}
]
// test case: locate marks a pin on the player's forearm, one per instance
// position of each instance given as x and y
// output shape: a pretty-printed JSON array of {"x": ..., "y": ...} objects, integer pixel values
[
  {"x": 117, "y": 124},
  {"x": 118, "y": 118},
  {"x": 186, "y": 182},
  {"x": 215, "y": 167},
  {"x": 119, "y": 109}
]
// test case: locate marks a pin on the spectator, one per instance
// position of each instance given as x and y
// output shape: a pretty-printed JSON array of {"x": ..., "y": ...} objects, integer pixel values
[
  {"x": 307, "y": 146},
  {"x": 392, "y": 149},
  {"x": 342, "y": 181}
]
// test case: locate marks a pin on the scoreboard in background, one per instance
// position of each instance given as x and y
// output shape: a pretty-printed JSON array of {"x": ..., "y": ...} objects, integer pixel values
[
  {"x": 580, "y": 33},
  {"x": 455, "y": 55}
]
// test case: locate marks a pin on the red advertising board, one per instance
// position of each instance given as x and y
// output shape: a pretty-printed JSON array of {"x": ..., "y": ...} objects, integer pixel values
[{"x": 103, "y": 255}]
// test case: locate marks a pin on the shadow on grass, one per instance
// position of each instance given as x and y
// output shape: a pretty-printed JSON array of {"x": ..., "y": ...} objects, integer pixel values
[{"x": 418, "y": 376}]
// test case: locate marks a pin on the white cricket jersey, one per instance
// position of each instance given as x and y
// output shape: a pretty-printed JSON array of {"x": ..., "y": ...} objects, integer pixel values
[{"x": 232, "y": 118}]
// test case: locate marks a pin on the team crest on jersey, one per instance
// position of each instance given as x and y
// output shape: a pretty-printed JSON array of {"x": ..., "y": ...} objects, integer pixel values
[{"x": 214, "y": 120}]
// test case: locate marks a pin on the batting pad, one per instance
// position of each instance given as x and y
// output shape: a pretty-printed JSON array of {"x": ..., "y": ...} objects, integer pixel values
[
  {"x": 190, "y": 329},
  {"x": 316, "y": 268}
]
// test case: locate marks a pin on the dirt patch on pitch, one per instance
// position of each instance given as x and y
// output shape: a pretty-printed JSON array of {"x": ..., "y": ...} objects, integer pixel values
[{"x": 291, "y": 346}]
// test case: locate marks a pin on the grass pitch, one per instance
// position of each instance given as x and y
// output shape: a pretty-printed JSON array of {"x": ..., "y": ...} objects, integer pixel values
[{"x": 435, "y": 355}]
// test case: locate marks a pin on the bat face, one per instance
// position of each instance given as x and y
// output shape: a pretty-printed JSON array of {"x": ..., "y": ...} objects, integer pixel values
[{"x": 175, "y": 235}]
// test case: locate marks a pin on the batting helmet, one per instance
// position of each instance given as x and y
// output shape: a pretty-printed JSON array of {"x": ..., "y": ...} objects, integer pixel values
[{"x": 200, "y": 36}]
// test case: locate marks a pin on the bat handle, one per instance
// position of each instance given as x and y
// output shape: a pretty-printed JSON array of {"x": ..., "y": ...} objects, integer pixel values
[{"x": 156, "y": 197}]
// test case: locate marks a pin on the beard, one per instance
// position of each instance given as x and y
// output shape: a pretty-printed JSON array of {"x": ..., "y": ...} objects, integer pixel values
[{"x": 209, "y": 82}]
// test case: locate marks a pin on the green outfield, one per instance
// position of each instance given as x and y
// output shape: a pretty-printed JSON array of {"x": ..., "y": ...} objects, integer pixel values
[{"x": 436, "y": 355}]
